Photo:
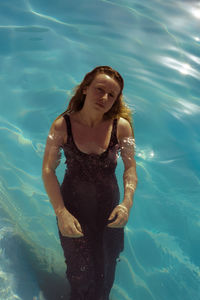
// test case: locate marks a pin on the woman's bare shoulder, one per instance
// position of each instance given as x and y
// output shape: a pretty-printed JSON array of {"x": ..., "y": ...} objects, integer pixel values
[
  {"x": 124, "y": 128},
  {"x": 58, "y": 130},
  {"x": 59, "y": 124}
]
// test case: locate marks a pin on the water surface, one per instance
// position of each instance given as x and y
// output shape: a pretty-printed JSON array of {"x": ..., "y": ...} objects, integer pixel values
[{"x": 46, "y": 47}]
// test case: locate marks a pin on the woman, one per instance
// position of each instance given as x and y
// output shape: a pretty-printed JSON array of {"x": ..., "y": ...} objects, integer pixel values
[{"x": 91, "y": 132}]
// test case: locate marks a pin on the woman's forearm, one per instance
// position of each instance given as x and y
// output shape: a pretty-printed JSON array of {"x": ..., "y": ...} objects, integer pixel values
[
  {"x": 130, "y": 183},
  {"x": 52, "y": 187}
]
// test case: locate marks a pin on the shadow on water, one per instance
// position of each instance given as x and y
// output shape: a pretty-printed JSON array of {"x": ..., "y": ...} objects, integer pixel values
[{"x": 33, "y": 278}]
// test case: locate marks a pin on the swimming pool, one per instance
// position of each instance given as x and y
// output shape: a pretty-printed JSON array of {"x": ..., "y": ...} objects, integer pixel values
[{"x": 45, "y": 49}]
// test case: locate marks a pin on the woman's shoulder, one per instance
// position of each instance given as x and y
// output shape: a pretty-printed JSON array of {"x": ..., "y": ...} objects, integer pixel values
[
  {"x": 123, "y": 122},
  {"x": 58, "y": 130},
  {"x": 59, "y": 124},
  {"x": 124, "y": 128}
]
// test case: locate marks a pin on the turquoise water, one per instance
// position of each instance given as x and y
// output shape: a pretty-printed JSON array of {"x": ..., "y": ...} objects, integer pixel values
[{"x": 46, "y": 47}]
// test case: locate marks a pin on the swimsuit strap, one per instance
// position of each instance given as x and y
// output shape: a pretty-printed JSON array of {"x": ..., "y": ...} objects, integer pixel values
[
  {"x": 69, "y": 127},
  {"x": 113, "y": 139}
]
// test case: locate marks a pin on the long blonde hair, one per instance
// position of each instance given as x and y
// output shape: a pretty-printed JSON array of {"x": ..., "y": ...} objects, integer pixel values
[{"x": 119, "y": 108}]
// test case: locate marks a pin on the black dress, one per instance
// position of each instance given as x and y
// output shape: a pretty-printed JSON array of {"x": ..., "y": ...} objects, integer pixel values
[{"x": 90, "y": 192}]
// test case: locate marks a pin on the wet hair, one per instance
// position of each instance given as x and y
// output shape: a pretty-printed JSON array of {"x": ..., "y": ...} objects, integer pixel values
[{"x": 119, "y": 108}]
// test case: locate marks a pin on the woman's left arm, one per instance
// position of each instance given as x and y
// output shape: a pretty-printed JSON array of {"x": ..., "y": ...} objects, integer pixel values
[{"x": 127, "y": 146}]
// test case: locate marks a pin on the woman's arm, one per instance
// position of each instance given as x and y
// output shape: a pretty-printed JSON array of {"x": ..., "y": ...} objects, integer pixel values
[
  {"x": 127, "y": 145},
  {"x": 68, "y": 224},
  {"x": 51, "y": 161}
]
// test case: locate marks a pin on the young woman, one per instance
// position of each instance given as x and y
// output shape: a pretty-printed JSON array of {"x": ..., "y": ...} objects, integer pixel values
[{"x": 92, "y": 131}]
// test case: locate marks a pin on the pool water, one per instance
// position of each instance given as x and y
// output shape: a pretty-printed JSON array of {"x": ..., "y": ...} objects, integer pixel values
[{"x": 46, "y": 47}]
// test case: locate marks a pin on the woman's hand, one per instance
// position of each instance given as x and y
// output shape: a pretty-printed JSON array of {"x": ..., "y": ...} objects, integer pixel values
[
  {"x": 120, "y": 215},
  {"x": 69, "y": 225}
]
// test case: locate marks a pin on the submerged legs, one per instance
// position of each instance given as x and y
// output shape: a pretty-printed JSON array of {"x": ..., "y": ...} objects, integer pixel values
[{"x": 91, "y": 264}]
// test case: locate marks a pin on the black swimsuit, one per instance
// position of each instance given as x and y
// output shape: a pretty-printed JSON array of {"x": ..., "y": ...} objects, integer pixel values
[{"x": 90, "y": 192}]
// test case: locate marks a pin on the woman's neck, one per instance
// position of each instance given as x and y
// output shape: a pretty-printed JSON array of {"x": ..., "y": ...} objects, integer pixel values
[{"x": 88, "y": 118}]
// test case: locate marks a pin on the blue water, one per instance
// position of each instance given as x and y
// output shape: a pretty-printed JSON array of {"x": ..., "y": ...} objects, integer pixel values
[{"x": 46, "y": 47}]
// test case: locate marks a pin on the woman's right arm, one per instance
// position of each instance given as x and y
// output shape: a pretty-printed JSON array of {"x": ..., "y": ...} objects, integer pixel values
[{"x": 68, "y": 224}]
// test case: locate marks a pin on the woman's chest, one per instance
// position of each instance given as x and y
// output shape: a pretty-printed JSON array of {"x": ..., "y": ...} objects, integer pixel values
[{"x": 91, "y": 140}]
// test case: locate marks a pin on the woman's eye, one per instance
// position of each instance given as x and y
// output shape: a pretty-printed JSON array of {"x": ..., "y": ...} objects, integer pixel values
[
  {"x": 111, "y": 95},
  {"x": 99, "y": 89}
]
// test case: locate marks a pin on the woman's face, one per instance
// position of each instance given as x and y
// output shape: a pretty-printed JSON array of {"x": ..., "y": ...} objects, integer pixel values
[{"x": 102, "y": 93}]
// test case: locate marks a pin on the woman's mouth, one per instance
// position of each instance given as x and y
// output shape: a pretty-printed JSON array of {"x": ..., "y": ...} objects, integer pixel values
[{"x": 100, "y": 104}]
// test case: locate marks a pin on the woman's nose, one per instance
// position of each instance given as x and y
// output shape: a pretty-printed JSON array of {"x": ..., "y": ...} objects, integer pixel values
[{"x": 105, "y": 96}]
